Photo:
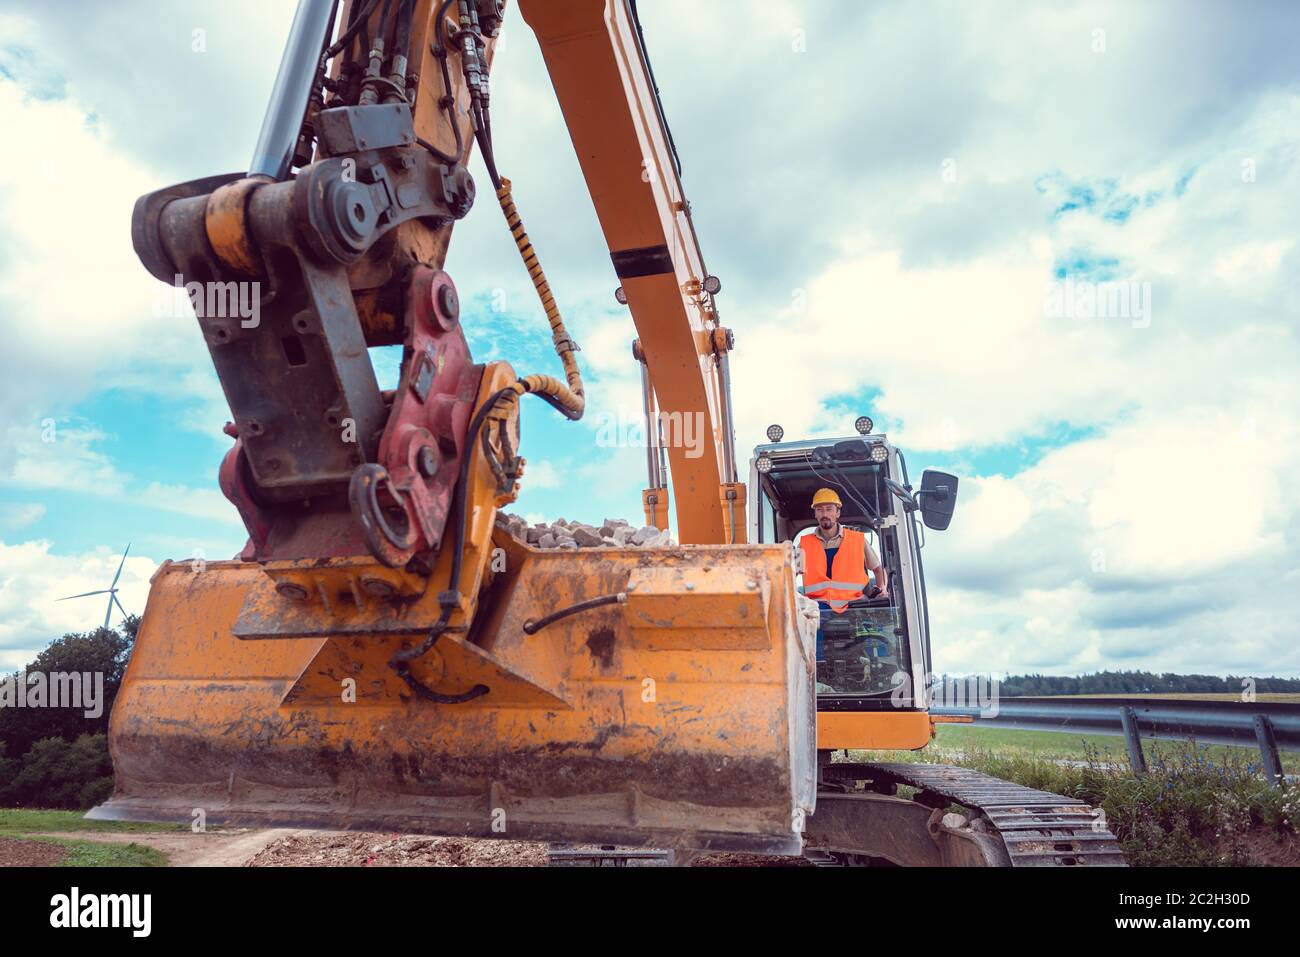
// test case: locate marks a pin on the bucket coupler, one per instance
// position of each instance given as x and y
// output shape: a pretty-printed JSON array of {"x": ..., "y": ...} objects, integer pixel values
[{"x": 308, "y": 411}]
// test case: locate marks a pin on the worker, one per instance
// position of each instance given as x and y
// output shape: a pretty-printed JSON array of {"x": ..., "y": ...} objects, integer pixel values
[{"x": 836, "y": 561}]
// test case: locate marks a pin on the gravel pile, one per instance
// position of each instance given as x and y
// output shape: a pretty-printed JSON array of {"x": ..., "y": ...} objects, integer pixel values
[
  {"x": 561, "y": 533},
  {"x": 331, "y": 849},
  {"x": 353, "y": 849}
]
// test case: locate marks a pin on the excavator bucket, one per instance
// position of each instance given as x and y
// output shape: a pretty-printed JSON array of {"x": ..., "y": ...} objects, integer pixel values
[{"x": 678, "y": 714}]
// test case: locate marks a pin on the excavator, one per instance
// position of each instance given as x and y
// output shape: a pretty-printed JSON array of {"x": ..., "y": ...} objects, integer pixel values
[{"x": 384, "y": 654}]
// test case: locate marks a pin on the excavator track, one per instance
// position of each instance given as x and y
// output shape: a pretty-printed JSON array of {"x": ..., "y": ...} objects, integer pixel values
[
  {"x": 1007, "y": 824},
  {"x": 608, "y": 855},
  {"x": 1037, "y": 828}
]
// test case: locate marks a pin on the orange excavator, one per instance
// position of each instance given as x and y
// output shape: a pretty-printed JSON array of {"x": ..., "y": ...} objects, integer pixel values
[{"x": 384, "y": 653}]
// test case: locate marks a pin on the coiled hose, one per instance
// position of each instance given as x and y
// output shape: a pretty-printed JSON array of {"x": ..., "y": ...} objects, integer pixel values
[{"x": 568, "y": 396}]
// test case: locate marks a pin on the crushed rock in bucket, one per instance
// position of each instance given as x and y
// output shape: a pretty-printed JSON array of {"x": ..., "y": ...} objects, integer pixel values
[{"x": 561, "y": 533}]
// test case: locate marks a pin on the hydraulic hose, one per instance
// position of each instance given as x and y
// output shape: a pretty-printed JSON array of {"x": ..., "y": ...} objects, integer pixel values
[
  {"x": 568, "y": 396},
  {"x": 400, "y": 662}
]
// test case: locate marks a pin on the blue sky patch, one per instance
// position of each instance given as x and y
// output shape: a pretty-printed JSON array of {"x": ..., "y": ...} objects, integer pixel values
[{"x": 1083, "y": 265}]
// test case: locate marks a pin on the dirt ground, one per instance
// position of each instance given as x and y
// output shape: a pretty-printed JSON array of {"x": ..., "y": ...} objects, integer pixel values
[
  {"x": 230, "y": 848},
  {"x": 15, "y": 853},
  {"x": 1273, "y": 850},
  {"x": 245, "y": 847}
]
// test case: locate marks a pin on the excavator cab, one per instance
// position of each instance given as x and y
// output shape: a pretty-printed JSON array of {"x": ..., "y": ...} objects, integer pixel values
[
  {"x": 874, "y": 655},
  {"x": 873, "y": 685}
]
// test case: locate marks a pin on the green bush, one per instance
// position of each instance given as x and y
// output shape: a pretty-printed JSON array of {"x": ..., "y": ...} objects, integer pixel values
[
  {"x": 60, "y": 774},
  {"x": 1191, "y": 808},
  {"x": 95, "y": 792}
]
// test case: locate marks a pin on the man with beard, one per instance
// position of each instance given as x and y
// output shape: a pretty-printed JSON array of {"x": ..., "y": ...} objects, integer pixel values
[{"x": 836, "y": 561}]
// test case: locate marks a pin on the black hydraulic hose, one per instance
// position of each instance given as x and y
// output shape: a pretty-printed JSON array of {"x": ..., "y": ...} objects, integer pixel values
[
  {"x": 485, "y": 146},
  {"x": 342, "y": 92},
  {"x": 383, "y": 27},
  {"x": 358, "y": 23},
  {"x": 838, "y": 478},
  {"x": 372, "y": 74},
  {"x": 498, "y": 469},
  {"x": 478, "y": 95},
  {"x": 449, "y": 101},
  {"x": 440, "y": 26},
  {"x": 442, "y": 54},
  {"x": 400, "y": 662},
  {"x": 325, "y": 41},
  {"x": 503, "y": 436},
  {"x": 438, "y": 154},
  {"x": 532, "y": 627},
  {"x": 354, "y": 84},
  {"x": 659, "y": 106},
  {"x": 402, "y": 35},
  {"x": 462, "y": 479},
  {"x": 348, "y": 29}
]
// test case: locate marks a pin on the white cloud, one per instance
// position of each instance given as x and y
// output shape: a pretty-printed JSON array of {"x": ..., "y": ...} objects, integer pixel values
[
  {"x": 55, "y": 456},
  {"x": 71, "y": 462},
  {"x": 32, "y": 580},
  {"x": 1158, "y": 545},
  {"x": 16, "y": 515},
  {"x": 207, "y": 503},
  {"x": 76, "y": 306},
  {"x": 542, "y": 475}
]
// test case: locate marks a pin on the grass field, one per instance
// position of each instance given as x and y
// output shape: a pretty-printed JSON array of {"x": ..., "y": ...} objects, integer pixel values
[
  {"x": 14, "y": 822},
  {"x": 20, "y": 823},
  {"x": 1067, "y": 746}
]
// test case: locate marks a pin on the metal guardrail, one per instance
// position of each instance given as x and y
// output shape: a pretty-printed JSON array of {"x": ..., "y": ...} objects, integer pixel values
[{"x": 1267, "y": 725}]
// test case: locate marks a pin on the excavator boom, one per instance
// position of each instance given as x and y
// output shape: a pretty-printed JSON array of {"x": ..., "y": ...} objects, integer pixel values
[{"x": 600, "y": 70}]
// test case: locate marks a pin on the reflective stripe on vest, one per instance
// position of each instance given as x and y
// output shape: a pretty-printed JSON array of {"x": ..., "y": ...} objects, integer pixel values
[{"x": 848, "y": 569}]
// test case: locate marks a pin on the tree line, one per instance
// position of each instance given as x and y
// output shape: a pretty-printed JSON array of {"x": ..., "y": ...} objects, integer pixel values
[
  {"x": 1142, "y": 682},
  {"x": 56, "y": 756}
]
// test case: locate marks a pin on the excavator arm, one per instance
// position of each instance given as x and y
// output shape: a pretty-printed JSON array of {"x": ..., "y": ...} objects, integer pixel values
[
  {"x": 384, "y": 654},
  {"x": 600, "y": 70}
]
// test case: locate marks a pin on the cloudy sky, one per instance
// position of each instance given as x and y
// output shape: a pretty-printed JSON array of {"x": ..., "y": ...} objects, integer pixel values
[{"x": 897, "y": 196}]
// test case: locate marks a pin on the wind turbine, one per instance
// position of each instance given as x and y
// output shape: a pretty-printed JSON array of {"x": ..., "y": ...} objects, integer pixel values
[{"x": 110, "y": 591}]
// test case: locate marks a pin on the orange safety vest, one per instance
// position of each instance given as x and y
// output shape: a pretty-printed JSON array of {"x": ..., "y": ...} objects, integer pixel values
[{"x": 848, "y": 578}]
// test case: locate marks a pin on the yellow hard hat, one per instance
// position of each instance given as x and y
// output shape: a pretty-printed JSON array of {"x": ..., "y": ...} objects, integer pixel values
[{"x": 826, "y": 496}]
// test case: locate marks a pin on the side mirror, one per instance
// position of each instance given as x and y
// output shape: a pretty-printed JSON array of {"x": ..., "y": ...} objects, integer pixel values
[{"x": 938, "y": 498}]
